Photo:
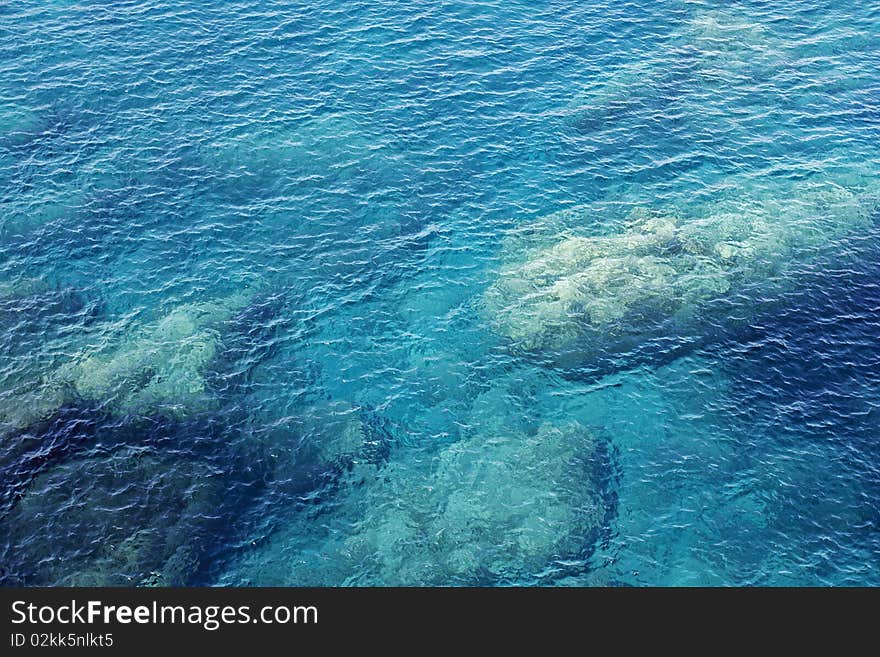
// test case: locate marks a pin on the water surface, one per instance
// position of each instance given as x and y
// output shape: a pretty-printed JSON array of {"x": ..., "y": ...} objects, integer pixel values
[{"x": 245, "y": 249}]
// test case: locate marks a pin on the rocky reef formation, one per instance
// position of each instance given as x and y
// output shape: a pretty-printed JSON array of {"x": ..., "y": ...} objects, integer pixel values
[
  {"x": 493, "y": 506},
  {"x": 161, "y": 364},
  {"x": 501, "y": 505},
  {"x": 572, "y": 296},
  {"x": 707, "y": 53},
  {"x": 153, "y": 367},
  {"x": 116, "y": 436},
  {"x": 615, "y": 93},
  {"x": 32, "y": 314},
  {"x": 730, "y": 42}
]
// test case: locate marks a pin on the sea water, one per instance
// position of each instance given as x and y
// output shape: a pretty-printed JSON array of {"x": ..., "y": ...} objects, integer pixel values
[{"x": 247, "y": 260}]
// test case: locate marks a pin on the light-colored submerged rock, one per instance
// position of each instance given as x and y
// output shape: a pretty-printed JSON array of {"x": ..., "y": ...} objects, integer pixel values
[
  {"x": 727, "y": 31},
  {"x": 722, "y": 54},
  {"x": 498, "y": 505},
  {"x": 730, "y": 46},
  {"x": 501, "y": 505},
  {"x": 332, "y": 433},
  {"x": 161, "y": 364},
  {"x": 24, "y": 397},
  {"x": 23, "y": 403},
  {"x": 709, "y": 44},
  {"x": 572, "y": 296},
  {"x": 157, "y": 366}
]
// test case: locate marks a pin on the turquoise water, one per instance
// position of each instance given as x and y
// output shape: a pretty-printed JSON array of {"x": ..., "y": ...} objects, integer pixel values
[{"x": 350, "y": 293}]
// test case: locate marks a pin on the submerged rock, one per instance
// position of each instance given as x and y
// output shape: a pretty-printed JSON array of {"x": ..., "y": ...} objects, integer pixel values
[
  {"x": 23, "y": 407},
  {"x": 730, "y": 43},
  {"x": 160, "y": 364},
  {"x": 34, "y": 317},
  {"x": 574, "y": 297},
  {"x": 500, "y": 506},
  {"x": 340, "y": 431},
  {"x": 157, "y": 367},
  {"x": 493, "y": 507},
  {"x": 704, "y": 56}
]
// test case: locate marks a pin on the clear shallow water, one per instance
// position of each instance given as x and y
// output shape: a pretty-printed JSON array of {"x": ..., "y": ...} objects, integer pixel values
[{"x": 246, "y": 255}]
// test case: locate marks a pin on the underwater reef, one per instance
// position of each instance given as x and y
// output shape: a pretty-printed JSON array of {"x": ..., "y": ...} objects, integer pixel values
[
  {"x": 147, "y": 367},
  {"x": 511, "y": 501},
  {"x": 133, "y": 456},
  {"x": 161, "y": 364},
  {"x": 492, "y": 506},
  {"x": 574, "y": 297},
  {"x": 665, "y": 262}
]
